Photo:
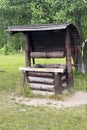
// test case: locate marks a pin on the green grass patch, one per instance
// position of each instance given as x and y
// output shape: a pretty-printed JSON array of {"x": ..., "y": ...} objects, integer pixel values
[
  {"x": 11, "y": 78},
  {"x": 80, "y": 81},
  {"x": 15, "y": 116}
]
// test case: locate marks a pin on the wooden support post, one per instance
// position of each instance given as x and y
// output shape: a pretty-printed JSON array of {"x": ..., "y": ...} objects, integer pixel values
[
  {"x": 27, "y": 51},
  {"x": 68, "y": 60},
  {"x": 24, "y": 76},
  {"x": 57, "y": 83},
  {"x": 27, "y": 60}
]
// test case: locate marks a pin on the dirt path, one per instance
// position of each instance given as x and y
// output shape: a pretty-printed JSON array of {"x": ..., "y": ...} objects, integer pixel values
[{"x": 78, "y": 98}]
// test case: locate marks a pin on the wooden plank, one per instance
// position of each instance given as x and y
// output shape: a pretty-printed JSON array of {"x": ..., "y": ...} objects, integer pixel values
[
  {"x": 59, "y": 54},
  {"x": 41, "y": 87},
  {"x": 40, "y": 80},
  {"x": 51, "y": 70}
]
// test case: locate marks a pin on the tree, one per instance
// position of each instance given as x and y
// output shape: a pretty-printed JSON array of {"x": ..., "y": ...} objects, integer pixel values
[
  {"x": 20, "y": 12},
  {"x": 75, "y": 12}
]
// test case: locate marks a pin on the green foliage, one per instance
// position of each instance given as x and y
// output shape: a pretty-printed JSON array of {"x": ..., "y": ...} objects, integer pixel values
[
  {"x": 8, "y": 49},
  {"x": 2, "y": 50},
  {"x": 13, "y": 12},
  {"x": 80, "y": 81}
]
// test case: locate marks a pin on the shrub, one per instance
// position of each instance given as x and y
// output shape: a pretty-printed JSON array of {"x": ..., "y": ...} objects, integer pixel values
[
  {"x": 2, "y": 50},
  {"x": 8, "y": 49}
]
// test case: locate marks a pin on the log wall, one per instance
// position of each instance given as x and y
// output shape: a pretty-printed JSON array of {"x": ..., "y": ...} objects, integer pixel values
[{"x": 47, "y": 81}]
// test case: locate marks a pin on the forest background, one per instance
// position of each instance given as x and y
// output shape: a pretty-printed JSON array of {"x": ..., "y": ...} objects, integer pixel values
[{"x": 24, "y": 12}]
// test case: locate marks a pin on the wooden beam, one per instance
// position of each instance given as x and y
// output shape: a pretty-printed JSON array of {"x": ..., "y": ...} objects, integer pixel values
[
  {"x": 68, "y": 59},
  {"x": 51, "y": 70},
  {"x": 59, "y": 54}
]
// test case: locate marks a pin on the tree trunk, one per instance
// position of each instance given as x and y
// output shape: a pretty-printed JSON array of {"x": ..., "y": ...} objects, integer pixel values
[{"x": 85, "y": 57}]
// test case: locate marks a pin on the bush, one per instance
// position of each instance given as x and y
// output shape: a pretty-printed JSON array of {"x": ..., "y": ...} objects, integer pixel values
[
  {"x": 2, "y": 50},
  {"x": 8, "y": 49}
]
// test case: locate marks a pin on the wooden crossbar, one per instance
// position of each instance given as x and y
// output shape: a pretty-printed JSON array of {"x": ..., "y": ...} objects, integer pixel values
[
  {"x": 52, "y": 70},
  {"x": 58, "y": 54}
]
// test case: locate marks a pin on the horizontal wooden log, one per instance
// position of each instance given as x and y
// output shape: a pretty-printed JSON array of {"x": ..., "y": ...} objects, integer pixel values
[
  {"x": 38, "y": 74},
  {"x": 40, "y": 80},
  {"x": 50, "y": 66},
  {"x": 51, "y": 70},
  {"x": 59, "y": 54},
  {"x": 44, "y": 93},
  {"x": 41, "y": 87}
]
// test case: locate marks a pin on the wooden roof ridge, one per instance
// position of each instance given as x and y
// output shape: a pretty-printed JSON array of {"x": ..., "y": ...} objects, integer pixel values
[{"x": 38, "y": 27}]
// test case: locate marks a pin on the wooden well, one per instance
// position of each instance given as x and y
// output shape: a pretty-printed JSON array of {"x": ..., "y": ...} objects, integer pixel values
[{"x": 49, "y": 41}]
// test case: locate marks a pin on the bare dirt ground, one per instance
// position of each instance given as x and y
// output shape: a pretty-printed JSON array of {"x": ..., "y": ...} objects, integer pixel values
[{"x": 78, "y": 98}]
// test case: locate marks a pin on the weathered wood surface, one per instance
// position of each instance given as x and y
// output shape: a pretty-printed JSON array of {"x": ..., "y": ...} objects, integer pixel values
[
  {"x": 49, "y": 34},
  {"x": 27, "y": 51},
  {"x": 40, "y": 80},
  {"x": 45, "y": 79},
  {"x": 24, "y": 78},
  {"x": 57, "y": 83},
  {"x": 42, "y": 27},
  {"x": 50, "y": 66},
  {"x": 51, "y": 70},
  {"x": 42, "y": 74},
  {"x": 41, "y": 87},
  {"x": 44, "y": 93},
  {"x": 59, "y": 54},
  {"x": 68, "y": 59}
]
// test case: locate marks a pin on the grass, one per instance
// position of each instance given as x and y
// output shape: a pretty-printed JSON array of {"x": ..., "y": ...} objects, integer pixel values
[
  {"x": 10, "y": 77},
  {"x": 80, "y": 81},
  {"x": 9, "y": 74},
  {"x": 15, "y": 116}
]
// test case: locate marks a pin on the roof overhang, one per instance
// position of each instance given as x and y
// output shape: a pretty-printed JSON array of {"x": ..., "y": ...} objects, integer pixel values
[{"x": 43, "y": 27}]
